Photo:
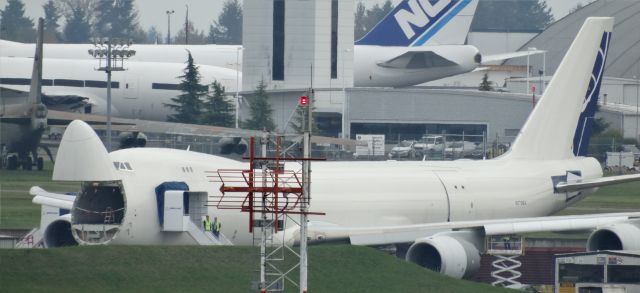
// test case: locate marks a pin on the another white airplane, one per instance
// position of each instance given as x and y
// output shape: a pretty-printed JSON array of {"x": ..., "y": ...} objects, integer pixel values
[
  {"x": 415, "y": 43},
  {"x": 445, "y": 209},
  {"x": 139, "y": 92}
]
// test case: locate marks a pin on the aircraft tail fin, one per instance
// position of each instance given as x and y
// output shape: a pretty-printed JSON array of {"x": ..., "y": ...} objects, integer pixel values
[
  {"x": 35, "y": 90},
  {"x": 559, "y": 126},
  {"x": 423, "y": 22}
]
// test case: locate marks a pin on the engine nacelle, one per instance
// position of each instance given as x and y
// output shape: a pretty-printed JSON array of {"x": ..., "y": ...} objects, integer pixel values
[
  {"x": 58, "y": 233},
  {"x": 625, "y": 236},
  {"x": 229, "y": 145},
  {"x": 450, "y": 253}
]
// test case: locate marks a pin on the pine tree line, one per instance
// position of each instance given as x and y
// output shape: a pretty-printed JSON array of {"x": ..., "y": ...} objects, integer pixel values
[{"x": 85, "y": 19}]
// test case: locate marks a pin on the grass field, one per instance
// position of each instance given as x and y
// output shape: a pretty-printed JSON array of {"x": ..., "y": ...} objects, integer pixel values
[
  {"x": 17, "y": 211},
  {"x": 210, "y": 269},
  {"x": 16, "y": 208}
]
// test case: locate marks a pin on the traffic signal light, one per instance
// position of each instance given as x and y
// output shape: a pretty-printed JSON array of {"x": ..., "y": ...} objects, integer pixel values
[{"x": 304, "y": 100}]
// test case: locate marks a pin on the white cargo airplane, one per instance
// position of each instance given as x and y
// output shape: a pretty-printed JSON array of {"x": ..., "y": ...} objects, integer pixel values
[
  {"x": 417, "y": 42},
  {"x": 444, "y": 210},
  {"x": 139, "y": 92}
]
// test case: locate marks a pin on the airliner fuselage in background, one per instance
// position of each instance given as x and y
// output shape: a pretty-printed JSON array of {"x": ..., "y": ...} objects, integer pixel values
[
  {"x": 415, "y": 43},
  {"x": 139, "y": 92}
]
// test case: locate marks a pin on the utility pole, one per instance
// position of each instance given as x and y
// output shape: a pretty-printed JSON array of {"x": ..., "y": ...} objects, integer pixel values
[
  {"x": 169, "y": 12},
  {"x": 186, "y": 26}
]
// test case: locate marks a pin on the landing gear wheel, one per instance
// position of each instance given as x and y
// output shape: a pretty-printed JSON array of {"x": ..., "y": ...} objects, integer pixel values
[
  {"x": 40, "y": 164},
  {"x": 27, "y": 164},
  {"x": 12, "y": 163}
]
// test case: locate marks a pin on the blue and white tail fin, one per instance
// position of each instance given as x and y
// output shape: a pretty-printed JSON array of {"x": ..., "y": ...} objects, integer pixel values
[
  {"x": 560, "y": 125},
  {"x": 423, "y": 22}
]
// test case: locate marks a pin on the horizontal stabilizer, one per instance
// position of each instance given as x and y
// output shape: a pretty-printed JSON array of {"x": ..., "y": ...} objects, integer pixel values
[
  {"x": 507, "y": 56},
  {"x": 597, "y": 182},
  {"x": 417, "y": 60},
  {"x": 43, "y": 197}
]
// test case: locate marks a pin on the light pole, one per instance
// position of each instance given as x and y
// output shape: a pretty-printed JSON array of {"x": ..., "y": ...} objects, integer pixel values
[
  {"x": 528, "y": 71},
  {"x": 238, "y": 86},
  {"x": 186, "y": 26},
  {"x": 344, "y": 96},
  {"x": 169, "y": 12},
  {"x": 113, "y": 51}
]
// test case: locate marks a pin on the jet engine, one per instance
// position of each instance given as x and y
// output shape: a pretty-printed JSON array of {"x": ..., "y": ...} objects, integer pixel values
[
  {"x": 229, "y": 145},
  {"x": 451, "y": 253},
  {"x": 624, "y": 236},
  {"x": 58, "y": 233}
]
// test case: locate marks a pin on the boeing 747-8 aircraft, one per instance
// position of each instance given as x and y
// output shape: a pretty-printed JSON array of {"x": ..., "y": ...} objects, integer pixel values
[{"x": 444, "y": 209}]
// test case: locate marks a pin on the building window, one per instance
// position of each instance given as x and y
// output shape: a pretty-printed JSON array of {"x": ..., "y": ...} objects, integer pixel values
[
  {"x": 334, "y": 39},
  {"x": 278, "y": 40}
]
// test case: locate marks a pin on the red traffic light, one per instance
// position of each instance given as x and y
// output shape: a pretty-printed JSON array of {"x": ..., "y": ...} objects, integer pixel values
[{"x": 304, "y": 100}]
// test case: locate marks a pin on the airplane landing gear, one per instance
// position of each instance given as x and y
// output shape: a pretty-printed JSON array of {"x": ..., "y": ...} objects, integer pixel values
[
  {"x": 12, "y": 163},
  {"x": 40, "y": 163},
  {"x": 27, "y": 164}
]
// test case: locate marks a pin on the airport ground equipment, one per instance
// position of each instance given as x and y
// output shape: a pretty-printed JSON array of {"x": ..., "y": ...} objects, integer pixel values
[
  {"x": 272, "y": 196},
  {"x": 506, "y": 249}
]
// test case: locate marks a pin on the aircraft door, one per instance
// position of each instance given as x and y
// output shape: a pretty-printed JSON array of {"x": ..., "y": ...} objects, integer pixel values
[
  {"x": 462, "y": 205},
  {"x": 130, "y": 95}
]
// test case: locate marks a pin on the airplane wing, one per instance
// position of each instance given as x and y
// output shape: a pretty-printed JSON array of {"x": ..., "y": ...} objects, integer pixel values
[
  {"x": 417, "y": 60},
  {"x": 43, "y": 197},
  {"x": 409, "y": 233},
  {"x": 505, "y": 56}
]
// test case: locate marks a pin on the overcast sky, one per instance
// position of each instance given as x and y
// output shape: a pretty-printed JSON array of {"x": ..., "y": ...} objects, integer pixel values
[{"x": 203, "y": 12}]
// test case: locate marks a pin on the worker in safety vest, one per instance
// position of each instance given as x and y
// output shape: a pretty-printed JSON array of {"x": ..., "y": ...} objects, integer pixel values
[
  {"x": 208, "y": 226},
  {"x": 506, "y": 240},
  {"x": 216, "y": 226}
]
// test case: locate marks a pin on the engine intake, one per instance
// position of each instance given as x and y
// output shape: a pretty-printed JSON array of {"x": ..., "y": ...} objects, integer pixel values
[
  {"x": 451, "y": 253},
  {"x": 58, "y": 233},
  {"x": 624, "y": 236}
]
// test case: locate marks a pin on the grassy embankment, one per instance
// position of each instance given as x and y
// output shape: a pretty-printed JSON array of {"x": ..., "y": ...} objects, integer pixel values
[{"x": 210, "y": 269}]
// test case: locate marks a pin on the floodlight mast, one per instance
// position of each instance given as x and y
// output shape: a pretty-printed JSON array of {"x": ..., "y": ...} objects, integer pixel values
[{"x": 112, "y": 50}]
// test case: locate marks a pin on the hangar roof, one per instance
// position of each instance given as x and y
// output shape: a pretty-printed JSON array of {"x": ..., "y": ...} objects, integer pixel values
[{"x": 623, "y": 60}]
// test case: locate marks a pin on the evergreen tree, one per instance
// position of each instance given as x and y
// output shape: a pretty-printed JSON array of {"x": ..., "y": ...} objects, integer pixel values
[
  {"x": 51, "y": 16},
  {"x": 154, "y": 36},
  {"x": 366, "y": 20},
  {"x": 359, "y": 29},
  {"x": 14, "y": 25},
  {"x": 188, "y": 105},
  {"x": 196, "y": 37},
  {"x": 218, "y": 111},
  {"x": 117, "y": 19},
  {"x": 260, "y": 110},
  {"x": 515, "y": 15},
  {"x": 77, "y": 30},
  {"x": 228, "y": 28},
  {"x": 485, "y": 85}
]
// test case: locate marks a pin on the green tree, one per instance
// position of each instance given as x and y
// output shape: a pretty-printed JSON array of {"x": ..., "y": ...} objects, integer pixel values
[
  {"x": 78, "y": 27},
  {"x": 117, "y": 19},
  {"x": 514, "y": 15},
  {"x": 218, "y": 111},
  {"x": 228, "y": 28},
  {"x": 52, "y": 15},
  {"x": 260, "y": 110},
  {"x": 14, "y": 25},
  {"x": 485, "y": 85},
  {"x": 154, "y": 36},
  {"x": 188, "y": 105},
  {"x": 196, "y": 37},
  {"x": 366, "y": 20}
]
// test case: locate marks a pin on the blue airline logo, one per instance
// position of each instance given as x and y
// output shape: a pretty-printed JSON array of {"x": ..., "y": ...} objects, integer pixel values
[
  {"x": 589, "y": 106},
  {"x": 413, "y": 22}
]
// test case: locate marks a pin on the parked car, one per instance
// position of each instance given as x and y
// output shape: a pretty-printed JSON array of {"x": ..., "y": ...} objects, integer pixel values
[
  {"x": 429, "y": 145},
  {"x": 459, "y": 149},
  {"x": 405, "y": 149}
]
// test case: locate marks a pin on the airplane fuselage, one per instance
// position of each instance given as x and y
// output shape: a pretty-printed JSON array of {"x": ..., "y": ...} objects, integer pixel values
[
  {"x": 353, "y": 194},
  {"x": 139, "y": 92}
]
